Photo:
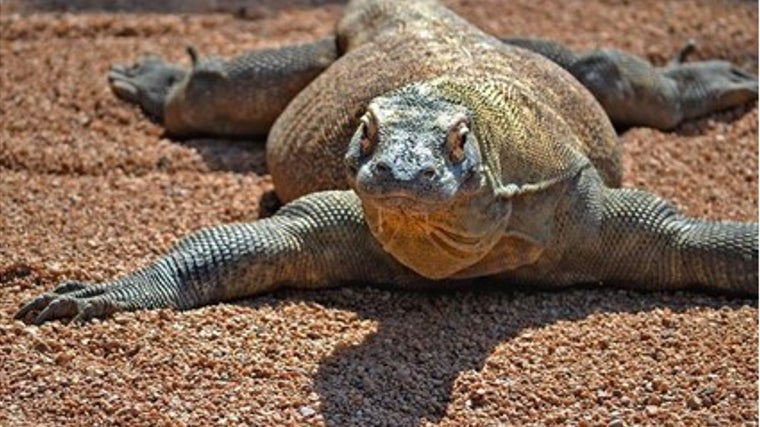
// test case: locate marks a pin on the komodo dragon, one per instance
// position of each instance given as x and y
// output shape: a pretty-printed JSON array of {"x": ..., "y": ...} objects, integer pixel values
[{"x": 466, "y": 156}]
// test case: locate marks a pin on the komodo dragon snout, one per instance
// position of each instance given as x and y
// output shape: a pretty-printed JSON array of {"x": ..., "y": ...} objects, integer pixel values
[{"x": 415, "y": 150}]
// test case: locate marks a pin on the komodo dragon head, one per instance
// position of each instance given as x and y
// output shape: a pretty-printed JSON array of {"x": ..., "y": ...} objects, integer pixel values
[
  {"x": 437, "y": 165},
  {"x": 415, "y": 151},
  {"x": 416, "y": 164}
]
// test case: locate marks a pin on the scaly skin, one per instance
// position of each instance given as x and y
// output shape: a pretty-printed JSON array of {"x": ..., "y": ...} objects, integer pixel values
[
  {"x": 635, "y": 93},
  {"x": 247, "y": 92},
  {"x": 467, "y": 157}
]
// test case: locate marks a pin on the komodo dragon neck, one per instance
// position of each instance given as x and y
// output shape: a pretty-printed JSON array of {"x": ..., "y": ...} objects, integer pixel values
[{"x": 439, "y": 244}]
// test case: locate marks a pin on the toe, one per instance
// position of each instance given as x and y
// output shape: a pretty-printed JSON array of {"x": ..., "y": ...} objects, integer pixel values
[
  {"x": 69, "y": 286},
  {"x": 145, "y": 65},
  {"x": 119, "y": 68},
  {"x": 741, "y": 93},
  {"x": 34, "y": 305},
  {"x": 750, "y": 88},
  {"x": 683, "y": 53},
  {"x": 62, "y": 307},
  {"x": 95, "y": 308},
  {"x": 145, "y": 84},
  {"x": 739, "y": 75},
  {"x": 123, "y": 88}
]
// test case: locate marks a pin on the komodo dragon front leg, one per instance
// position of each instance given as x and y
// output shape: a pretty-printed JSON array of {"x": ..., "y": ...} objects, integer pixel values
[
  {"x": 638, "y": 240},
  {"x": 635, "y": 93},
  {"x": 239, "y": 97},
  {"x": 619, "y": 236},
  {"x": 648, "y": 244},
  {"x": 317, "y": 241}
]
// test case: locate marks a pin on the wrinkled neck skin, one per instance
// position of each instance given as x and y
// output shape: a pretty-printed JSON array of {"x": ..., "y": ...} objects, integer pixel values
[{"x": 440, "y": 242}]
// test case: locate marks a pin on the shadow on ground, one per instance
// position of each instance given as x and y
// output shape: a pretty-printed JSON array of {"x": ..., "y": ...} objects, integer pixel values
[
  {"x": 230, "y": 155},
  {"x": 406, "y": 371}
]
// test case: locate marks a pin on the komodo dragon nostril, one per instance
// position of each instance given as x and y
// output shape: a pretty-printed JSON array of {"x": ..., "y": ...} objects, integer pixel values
[
  {"x": 428, "y": 172},
  {"x": 382, "y": 167}
]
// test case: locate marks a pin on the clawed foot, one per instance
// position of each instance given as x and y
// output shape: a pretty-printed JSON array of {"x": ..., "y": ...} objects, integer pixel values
[
  {"x": 710, "y": 86},
  {"x": 70, "y": 300},
  {"x": 146, "y": 83}
]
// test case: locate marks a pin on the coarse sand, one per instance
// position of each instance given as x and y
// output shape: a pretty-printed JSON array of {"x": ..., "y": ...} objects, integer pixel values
[{"x": 89, "y": 189}]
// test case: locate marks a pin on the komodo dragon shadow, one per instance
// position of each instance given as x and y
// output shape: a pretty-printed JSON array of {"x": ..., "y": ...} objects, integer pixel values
[{"x": 404, "y": 373}]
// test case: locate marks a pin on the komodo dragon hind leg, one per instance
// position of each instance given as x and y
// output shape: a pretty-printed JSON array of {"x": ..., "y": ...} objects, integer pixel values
[
  {"x": 633, "y": 92},
  {"x": 708, "y": 86},
  {"x": 239, "y": 97}
]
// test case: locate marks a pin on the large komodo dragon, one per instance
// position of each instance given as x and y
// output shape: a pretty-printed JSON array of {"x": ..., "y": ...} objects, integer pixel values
[{"x": 467, "y": 156}]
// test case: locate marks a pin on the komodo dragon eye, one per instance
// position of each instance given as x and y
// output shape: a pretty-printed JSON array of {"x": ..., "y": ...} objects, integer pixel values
[
  {"x": 369, "y": 134},
  {"x": 456, "y": 140}
]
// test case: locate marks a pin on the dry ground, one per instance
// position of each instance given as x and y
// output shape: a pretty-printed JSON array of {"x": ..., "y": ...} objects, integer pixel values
[{"x": 89, "y": 189}]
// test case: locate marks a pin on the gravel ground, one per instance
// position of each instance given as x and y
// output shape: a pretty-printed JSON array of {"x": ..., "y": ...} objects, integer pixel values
[{"x": 89, "y": 189}]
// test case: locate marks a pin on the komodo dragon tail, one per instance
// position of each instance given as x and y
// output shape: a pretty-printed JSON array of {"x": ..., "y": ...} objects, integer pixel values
[{"x": 645, "y": 242}]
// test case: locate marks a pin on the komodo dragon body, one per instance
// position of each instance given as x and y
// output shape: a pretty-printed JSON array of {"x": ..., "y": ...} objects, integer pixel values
[{"x": 466, "y": 156}]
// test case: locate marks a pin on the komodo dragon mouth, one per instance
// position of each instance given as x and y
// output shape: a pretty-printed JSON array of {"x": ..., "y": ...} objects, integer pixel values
[
  {"x": 408, "y": 205},
  {"x": 435, "y": 244}
]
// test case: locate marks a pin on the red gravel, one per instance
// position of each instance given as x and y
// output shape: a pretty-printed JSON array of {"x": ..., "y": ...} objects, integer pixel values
[{"x": 89, "y": 189}]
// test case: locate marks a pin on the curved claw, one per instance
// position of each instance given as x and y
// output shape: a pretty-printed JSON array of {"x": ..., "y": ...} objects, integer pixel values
[
  {"x": 69, "y": 299},
  {"x": 680, "y": 56},
  {"x": 35, "y": 305},
  {"x": 192, "y": 52}
]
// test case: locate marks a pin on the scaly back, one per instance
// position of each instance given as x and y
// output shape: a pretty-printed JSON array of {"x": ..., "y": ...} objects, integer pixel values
[{"x": 389, "y": 44}]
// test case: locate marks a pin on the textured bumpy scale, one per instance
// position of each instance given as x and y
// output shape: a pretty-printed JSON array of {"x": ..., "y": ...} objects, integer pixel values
[{"x": 466, "y": 157}]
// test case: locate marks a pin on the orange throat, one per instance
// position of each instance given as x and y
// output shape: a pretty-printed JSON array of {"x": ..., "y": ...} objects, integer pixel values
[{"x": 438, "y": 244}]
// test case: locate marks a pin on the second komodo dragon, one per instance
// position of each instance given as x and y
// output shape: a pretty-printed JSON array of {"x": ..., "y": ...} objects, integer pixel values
[{"x": 466, "y": 156}]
